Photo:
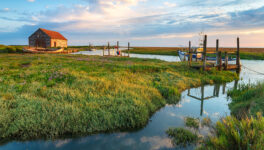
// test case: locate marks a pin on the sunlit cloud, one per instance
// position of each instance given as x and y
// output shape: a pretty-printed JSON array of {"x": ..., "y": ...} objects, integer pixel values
[{"x": 142, "y": 21}]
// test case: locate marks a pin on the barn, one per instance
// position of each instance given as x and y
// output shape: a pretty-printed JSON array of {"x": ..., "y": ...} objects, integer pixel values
[{"x": 46, "y": 39}]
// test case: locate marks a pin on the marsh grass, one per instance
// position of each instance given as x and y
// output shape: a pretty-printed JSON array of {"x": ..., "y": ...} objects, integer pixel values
[
  {"x": 48, "y": 96},
  {"x": 182, "y": 137},
  {"x": 10, "y": 49},
  {"x": 192, "y": 122},
  {"x": 247, "y": 100},
  {"x": 231, "y": 133}
]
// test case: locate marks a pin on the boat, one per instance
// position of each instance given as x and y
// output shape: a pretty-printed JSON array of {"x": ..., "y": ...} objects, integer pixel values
[
  {"x": 184, "y": 56},
  {"x": 198, "y": 55}
]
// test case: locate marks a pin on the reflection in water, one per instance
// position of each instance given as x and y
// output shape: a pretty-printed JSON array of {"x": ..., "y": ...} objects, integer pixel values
[{"x": 216, "y": 90}]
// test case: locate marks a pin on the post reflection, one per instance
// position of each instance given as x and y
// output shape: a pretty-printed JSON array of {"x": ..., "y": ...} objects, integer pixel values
[{"x": 216, "y": 92}]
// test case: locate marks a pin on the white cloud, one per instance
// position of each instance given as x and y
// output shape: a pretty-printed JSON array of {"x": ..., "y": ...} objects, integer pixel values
[
  {"x": 6, "y": 9},
  {"x": 168, "y": 4},
  {"x": 31, "y": 0}
]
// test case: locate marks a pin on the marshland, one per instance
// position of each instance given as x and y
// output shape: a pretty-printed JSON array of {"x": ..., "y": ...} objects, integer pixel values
[{"x": 73, "y": 101}]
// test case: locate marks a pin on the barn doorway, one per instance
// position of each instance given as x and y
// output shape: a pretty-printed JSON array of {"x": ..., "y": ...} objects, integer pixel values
[
  {"x": 40, "y": 42},
  {"x": 55, "y": 44}
]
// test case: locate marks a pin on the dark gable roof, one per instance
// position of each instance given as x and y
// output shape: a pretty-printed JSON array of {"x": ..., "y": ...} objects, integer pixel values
[{"x": 53, "y": 34}]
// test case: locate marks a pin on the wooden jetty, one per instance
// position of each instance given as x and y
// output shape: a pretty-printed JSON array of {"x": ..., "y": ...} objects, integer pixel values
[
  {"x": 120, "y": 54},
  {"x": 218, "y": 63}
]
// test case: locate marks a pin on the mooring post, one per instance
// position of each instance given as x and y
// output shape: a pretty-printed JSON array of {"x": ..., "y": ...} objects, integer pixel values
[
  {"x": 226, "y": 60},
  {"x": 108, "y": 47},
  {"x": 190, "y": 54},
  {"x": 204, "y": 52},
  {"x": 238, "y": 55},
  {"x": 103, "y": 50},
  {"x": 220, "y": 61},
  {"x": 217, "y": 50},
  {"x": 128, "y": 48}
]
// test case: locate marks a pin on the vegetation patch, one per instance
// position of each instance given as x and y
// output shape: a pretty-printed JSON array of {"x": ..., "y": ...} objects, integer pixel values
[
  {"x": 192, "y": 122},
  {"x": 54, "y": 95},
  {"x": 182, "y": 137},
  {"x": 247, "y": 100},
  {"x": 10, "y": 49},
  {"x": 231, "y": 133}
]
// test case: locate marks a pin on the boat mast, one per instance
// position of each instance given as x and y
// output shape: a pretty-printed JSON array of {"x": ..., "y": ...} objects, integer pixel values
[{"x": 201, "y": 39}]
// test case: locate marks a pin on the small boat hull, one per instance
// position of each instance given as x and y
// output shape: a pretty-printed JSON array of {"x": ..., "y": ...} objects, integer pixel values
[{"x": 185, "y": 57}]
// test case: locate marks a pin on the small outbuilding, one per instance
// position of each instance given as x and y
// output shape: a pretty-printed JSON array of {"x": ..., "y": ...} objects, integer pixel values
[{"x": 46, "y": 39}]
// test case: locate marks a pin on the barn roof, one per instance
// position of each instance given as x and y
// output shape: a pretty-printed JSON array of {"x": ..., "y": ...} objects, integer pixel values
[{"x": 53, "y": 34}]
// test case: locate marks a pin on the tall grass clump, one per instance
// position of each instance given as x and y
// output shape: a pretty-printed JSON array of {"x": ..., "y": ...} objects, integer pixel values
[
  {"x": 247, "y": 100},
  {"x": 231, "y": 133},
  {"x": 49, "y": 96}
]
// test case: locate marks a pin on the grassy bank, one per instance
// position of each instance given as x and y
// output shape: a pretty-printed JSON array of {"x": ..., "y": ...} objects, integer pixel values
[
  {"x": 53, "y": 95},
  {"x": 247, "y": 100},
  {"x": 10, "y": 49},
  {"x": 246, "y": 53}
]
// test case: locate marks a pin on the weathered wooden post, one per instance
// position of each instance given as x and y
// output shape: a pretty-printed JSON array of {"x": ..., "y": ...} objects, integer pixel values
[
  {"x": 117, "y": 45},
  {"x": 204, "y": 52},
  {"x": 190, "y": 54},
  {"x": 128, "y": 48},
  {"x": 104, "y": 51},
  {"x": 238, "y": 55},
  {"x": 220, "y": 61},
  {"x": 217, "y": 50},
  {"x": 108, "y": 47},
  {"x": 226, "y": 60}
]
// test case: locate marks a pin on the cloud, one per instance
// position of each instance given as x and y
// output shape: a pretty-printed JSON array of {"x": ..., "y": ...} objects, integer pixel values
[
  {"x": 157, "y": 142},
  {"x": 31, "y": 0},
  {"x": 168, "y": 4},
  {"x": 6, "y": 9}
]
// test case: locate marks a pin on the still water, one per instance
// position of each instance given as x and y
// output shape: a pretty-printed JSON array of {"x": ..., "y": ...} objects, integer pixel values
[{"x": 205, "y": 101}]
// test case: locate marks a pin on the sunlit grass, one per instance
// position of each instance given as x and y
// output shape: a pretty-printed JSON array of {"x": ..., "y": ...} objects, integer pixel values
[{"x": 52, "y": 95}]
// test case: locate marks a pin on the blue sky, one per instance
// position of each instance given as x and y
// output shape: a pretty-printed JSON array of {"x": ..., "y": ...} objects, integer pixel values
[{"x": 142, "y": 22}]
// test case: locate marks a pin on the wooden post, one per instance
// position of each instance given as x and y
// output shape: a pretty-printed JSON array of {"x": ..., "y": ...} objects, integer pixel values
[
  {"x": 103, "y": 50},
  {"x": 217, "y": 49},
  {"x": 196, "y": 55},
  {"x": 190, "y": 54},
  {"x": 128, "y": 48},
  {"x": 108, "y": 47},
  {"x": 226, "y": 60},
  {"x": 238, "y": 55},
  {"x": 204, "y": 52},
  {"x": 117, "y": 45},
  {"x": 220, "y": 61}
]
